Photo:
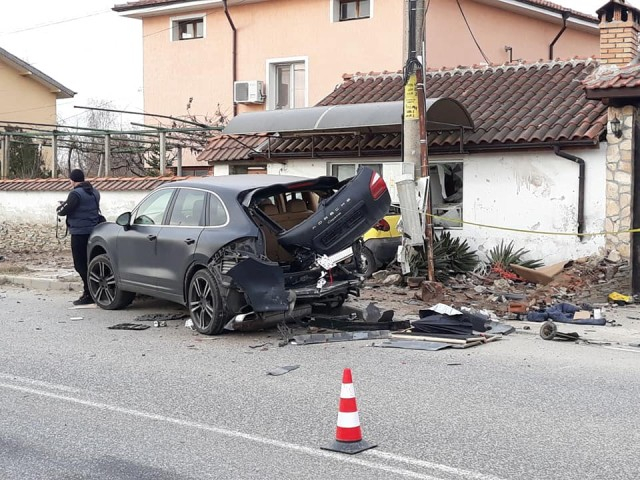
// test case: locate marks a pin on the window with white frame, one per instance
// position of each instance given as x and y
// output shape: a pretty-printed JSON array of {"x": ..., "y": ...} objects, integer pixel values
[
  {"x": 287, "y": 84},
  {"x": 446, "y": 181},
  {"x": 187, "y": 28},
  {"x": 344, "y": 10},
  {"x": 347, "y": 170}
]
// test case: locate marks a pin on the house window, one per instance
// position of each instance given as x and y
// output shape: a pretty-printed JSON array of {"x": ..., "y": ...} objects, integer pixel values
[
  {"x": 347, "y": 170},
  {"x": 446, "y": 193},
  {"x": 344, "y": 10},
  {"x": 187, "y": 28},
  {"x": 287, "y": 85},
  {"x": 247, "y": 170}
]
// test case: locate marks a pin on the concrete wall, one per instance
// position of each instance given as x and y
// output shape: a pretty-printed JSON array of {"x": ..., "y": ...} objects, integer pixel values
[{"x": 535, "y": 192}]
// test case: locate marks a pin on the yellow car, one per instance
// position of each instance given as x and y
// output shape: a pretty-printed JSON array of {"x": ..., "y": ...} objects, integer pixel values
[{"x": 381, "y": 243}]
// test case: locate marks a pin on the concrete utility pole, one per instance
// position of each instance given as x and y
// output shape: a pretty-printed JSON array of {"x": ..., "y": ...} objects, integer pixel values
[{"x": 414, "y": 148}]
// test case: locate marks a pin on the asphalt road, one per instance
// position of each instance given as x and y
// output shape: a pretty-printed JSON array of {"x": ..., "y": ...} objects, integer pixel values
[{"x": 80, "y": 401}]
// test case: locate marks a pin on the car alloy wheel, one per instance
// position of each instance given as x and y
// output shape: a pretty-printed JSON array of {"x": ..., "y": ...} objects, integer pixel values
[
  {"x": 103, "y": 286},
  {"x": 204, "y": 303}
]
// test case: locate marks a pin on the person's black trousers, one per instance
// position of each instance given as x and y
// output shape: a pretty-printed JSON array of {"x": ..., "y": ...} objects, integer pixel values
[{"x": 79, "y": 253}]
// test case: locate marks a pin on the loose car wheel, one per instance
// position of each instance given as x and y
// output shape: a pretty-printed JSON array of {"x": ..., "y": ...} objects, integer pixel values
[
  {"x": 103, "y": 286},
  {"x": 368, "y": 262},
  {"x": 205, "y": 304}
]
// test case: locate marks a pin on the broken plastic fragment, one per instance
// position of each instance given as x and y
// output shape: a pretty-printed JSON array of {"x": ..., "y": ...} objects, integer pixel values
[{"x": 282, "y": 370}]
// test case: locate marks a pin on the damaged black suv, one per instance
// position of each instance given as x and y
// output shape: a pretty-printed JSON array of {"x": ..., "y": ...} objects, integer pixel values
[{"x": 240, "y": 251}]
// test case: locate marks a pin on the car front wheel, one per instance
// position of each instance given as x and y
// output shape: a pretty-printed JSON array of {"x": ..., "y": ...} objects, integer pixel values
[
  {"x": 103, "y": 286},
  {"x": 205, "y": 303}
]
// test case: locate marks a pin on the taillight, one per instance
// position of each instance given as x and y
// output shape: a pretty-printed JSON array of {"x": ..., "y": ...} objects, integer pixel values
[
  {"x": 382, "y": 226},
  {"x": 377, "y": 186}
]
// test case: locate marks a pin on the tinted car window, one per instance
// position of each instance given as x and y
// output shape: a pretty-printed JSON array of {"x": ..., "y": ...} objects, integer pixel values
[
  {"x": 188, "y": 208},
  {"x": 151, "y": 210},
  {"x": 217, "y": 212}
]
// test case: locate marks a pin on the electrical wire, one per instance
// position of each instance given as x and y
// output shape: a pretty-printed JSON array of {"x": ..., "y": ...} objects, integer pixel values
[
  {"x": 471, "y": 32},
  {"x": 58, "y": 22}
]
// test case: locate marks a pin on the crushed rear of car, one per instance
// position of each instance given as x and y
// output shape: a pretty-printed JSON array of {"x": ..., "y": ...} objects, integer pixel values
[{"x": 287, "y": 247}]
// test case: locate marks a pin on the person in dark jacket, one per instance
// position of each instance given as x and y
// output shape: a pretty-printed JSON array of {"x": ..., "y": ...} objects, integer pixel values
[{"x": 81, "y": 208}]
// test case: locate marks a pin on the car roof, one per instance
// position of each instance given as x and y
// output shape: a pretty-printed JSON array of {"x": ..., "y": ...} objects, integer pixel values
[{"x": 236, "y": 183}]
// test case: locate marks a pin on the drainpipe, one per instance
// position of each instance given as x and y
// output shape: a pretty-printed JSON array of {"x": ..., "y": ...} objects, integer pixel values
[
  {"x": 581, "y": 175},
  {"x": 233, "y": 52},
  {"x": 565, "y": 16}
]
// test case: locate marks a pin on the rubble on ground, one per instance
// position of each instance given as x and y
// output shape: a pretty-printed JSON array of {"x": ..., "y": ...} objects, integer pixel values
[{"x": 585, "y": 280}]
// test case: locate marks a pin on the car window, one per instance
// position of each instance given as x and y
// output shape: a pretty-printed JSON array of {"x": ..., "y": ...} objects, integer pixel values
[
  {"x": 217, "y": 212},
  {"x": 188, "y": 208},
  {"x": 151, "y": 210}
]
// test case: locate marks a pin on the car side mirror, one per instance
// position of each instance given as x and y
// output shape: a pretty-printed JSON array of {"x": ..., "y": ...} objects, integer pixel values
[{"x": 124, "y": 220}]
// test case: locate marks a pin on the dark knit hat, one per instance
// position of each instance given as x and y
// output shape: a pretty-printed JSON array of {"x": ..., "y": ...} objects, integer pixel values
[{"x": 76, "y": 175}]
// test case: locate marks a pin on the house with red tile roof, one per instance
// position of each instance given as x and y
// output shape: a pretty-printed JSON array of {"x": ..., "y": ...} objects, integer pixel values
[
  {"x": 550, "y": 162},
  {"x": 533, "y": 163},
  {"x": 237, "y": 56}
]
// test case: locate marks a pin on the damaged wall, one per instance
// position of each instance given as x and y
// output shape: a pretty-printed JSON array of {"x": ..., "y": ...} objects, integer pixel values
[{"x": 537, "y": 192}]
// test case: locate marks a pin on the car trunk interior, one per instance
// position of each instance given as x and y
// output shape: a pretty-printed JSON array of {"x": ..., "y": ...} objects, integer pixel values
[{"x": 286, "y": 213}]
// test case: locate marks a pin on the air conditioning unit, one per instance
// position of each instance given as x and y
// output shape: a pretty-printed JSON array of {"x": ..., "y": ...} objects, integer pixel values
[{"x": 248, "y": 92}]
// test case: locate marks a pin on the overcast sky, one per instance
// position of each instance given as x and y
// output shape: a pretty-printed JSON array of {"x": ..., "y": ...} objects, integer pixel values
[{"x": 90, "y": 49}]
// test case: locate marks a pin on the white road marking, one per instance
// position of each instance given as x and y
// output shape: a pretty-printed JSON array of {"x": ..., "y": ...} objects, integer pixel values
[
  {"x": 39, "y": 383},
  {"x": 460, "y": 473}
]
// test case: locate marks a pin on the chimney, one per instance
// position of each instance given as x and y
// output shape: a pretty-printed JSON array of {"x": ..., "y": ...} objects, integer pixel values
[{"x": 619, "y": 28}]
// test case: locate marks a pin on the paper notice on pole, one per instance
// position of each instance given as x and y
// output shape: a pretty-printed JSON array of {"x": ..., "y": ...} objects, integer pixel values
[{"x": 411, "y": 110}]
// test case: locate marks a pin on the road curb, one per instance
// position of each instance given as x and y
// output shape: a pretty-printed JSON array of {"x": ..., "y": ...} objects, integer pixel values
[{"x": 37, "y": 283}]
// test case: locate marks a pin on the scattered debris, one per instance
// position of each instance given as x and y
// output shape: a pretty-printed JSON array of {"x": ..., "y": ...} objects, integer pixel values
[
  {"x": 549, "y": 331},
  {"x": 564, "y": 313},
  {"x": 76, "y": 318},
  {"x": 158, "y": 317},
  {"x": 620, "y": 299},
  {"x": 189, "y": 323},
  {"x": 129, "y": 326},
  {"x": 542, "y": 275},
  {"x": 282, "y": 370},
  {"x": 161, "y": 323},
  {"x": 339, "y": 337},
  {"x": 260, "y": 345}
]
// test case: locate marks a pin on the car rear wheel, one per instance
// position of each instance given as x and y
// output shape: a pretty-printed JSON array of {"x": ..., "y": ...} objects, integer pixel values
[
  {"x": 205, "y": 303},
  {"x": 368, "y": 262},
  {"x": 103, "y": 286}
]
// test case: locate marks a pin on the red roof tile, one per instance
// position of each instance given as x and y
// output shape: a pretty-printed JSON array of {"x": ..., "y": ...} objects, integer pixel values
[
  {"x": 106, "y": 184},
  {"x": 146, "y": 3},
  {"x": 608, "y": 77},
  {"x": 559, "y": 8},
  {"x": 511, "y": 104},
  {"x": 515, "y": 103}
]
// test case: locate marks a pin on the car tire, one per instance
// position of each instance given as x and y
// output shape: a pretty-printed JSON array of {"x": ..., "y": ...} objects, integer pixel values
[
  {"x": 205, "y": 304},
  {"x": 368, "y": 262},
  {"x": 103, "y": 285}
]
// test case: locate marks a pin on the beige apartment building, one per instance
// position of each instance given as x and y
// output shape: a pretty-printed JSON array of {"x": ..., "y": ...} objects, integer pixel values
[{"x": 236, "y": 56}]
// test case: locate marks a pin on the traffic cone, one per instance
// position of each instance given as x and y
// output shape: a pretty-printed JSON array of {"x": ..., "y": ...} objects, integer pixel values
[{"x": 348, "y": 433}]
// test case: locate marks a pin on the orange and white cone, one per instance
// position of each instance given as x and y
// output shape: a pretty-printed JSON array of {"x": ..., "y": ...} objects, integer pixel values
[{"x": 348, "y": 432}]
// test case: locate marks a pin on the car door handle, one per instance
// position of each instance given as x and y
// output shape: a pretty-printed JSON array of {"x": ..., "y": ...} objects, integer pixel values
[
  {"x": 151, "y": 237},
  {"x": 189, "y": 241}
]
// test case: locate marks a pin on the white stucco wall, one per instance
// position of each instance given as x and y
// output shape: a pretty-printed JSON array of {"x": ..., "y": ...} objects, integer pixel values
[
  {"x": 537, "y": 192},
  {"x": 40, "y": 207}
]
